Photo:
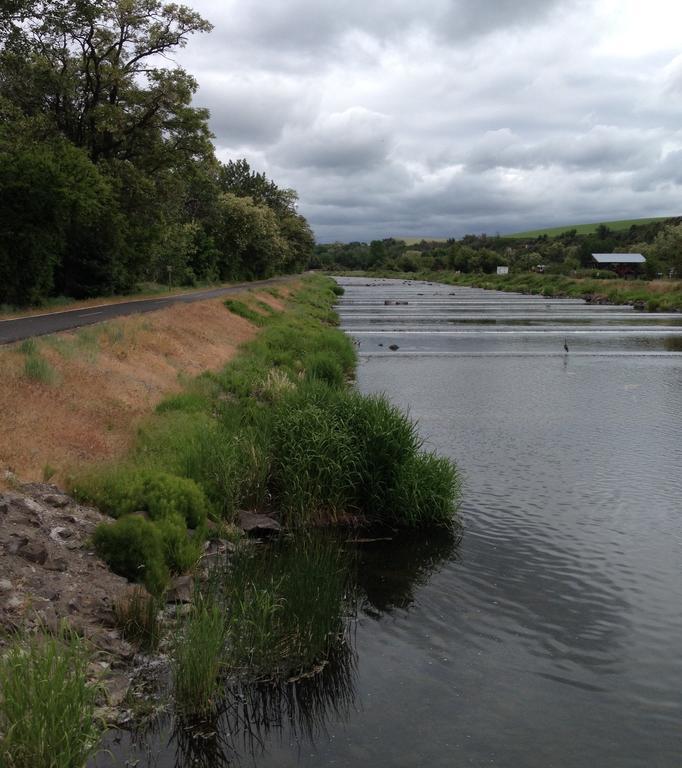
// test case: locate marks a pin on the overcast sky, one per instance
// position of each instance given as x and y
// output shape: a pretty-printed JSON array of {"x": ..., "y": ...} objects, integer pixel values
[{"x": 447, "y": 117}]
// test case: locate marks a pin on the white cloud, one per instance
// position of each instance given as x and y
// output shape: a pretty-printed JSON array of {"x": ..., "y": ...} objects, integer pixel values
[{"x": 448, "y": 117}]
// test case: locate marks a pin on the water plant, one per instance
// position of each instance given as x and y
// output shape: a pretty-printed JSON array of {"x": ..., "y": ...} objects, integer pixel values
[
  {"x": 286, "y": 606},
  {"x": 197, "y": 657},
  {"x": 137, "y": 616},
  {"x": 47, "y": 705}
]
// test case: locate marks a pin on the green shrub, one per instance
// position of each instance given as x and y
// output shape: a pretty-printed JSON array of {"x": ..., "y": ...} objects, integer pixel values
[
  {"x": 164, "y": 495},
  {"x": 122, "y": 491},
  {"x": 339, "y": 290},
  {"x": 322, "y": 366},
  {"x": 47, "y": 706},
  {"x": 179, "y": 550},
  {"x": 133, "y": 547}
]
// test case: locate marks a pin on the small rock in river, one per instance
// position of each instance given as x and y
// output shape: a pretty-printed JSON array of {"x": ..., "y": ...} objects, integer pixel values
[
  {"x": 255, "y": 523},
  {"x": 393, "y": 347}
]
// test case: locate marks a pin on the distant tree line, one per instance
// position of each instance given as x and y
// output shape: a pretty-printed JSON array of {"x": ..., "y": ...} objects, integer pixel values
[
  {"x": 569, "y": 252},
  {"x": 108, "y": 176}
]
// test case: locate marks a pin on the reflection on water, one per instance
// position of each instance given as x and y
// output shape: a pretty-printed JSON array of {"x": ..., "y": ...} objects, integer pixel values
[
  {"x": 248, "y": 717},
  {"x": 390, "y": 572},
  {"x": 549, "y": 635},
  {"x": 254, "y": 716}
]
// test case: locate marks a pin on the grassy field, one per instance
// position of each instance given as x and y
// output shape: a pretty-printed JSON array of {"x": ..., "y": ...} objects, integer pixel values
[
  {"x": 585, "y": 229},
  {"x": 581, "y": 229}
]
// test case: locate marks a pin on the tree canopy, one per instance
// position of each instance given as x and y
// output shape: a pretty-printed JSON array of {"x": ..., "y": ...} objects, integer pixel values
[{"x": 108, "y": 173}]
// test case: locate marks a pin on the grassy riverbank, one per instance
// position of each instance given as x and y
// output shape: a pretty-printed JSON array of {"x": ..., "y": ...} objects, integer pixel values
[
  {"x": 649, "y": 295},
  {"x": 280, "y": 431}
]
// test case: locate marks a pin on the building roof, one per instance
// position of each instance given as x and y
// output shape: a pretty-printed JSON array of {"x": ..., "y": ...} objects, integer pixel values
[{"x": 619, "y": 258}]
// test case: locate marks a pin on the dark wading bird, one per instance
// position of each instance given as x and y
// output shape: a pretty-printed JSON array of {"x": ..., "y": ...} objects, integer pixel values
[{"x": 565, "y": 346}]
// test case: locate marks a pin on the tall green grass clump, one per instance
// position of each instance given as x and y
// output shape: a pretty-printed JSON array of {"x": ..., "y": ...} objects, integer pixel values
[
  {"x": 197, "y": 658},
  {"x": 337, "y": 453},
  {"x": 286, "y": 606},
  {"x": 47, "y": 706},
  {"x": 137, "y": 616},
  {"x": 315, "y": 461},
  {"x": 323, "y": 366}
]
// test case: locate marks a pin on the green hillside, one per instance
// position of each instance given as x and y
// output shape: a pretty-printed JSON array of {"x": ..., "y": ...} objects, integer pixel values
[{"x": 586, "y": 229}]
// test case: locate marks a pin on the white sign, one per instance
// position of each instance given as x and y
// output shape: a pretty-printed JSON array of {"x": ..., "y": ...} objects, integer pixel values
[{"x": 503, "y": 270}]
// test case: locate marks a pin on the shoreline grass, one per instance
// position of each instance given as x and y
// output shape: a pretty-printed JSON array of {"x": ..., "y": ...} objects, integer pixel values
[
  {"x": 279, "y": 430},
  {"x": 197, "y": 658},
  {"x": 47, "y": 705}
]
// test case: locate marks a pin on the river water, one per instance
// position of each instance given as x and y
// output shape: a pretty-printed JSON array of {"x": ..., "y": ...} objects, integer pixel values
[{"x": 550, "y": 635}]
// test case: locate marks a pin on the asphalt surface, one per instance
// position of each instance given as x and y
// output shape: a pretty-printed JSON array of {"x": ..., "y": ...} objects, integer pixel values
[{"x": 38, "y": 325}]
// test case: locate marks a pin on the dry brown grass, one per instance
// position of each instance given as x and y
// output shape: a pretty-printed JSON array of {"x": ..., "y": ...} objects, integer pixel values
[{"x": 108, "y": 377}]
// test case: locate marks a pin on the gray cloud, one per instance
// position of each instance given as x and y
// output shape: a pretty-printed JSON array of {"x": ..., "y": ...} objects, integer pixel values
[{"x": 446, "y": 118}]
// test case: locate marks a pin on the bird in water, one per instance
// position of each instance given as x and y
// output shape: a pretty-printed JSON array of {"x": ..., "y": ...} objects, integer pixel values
[{"x": 565, "y": 346}]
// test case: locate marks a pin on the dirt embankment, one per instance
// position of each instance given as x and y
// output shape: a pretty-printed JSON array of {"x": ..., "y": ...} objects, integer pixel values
[
  {"x": 93, "y": 389},
  {"x": 100, "y": 381}
]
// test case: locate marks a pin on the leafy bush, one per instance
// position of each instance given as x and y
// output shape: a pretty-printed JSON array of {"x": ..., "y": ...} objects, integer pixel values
[
  {"x": 179, "y": 550},
  {"x": 47, "y": 706},
  {"x": 133, "y": 547},
  {"x": 122, "y": 491},
  {"x": 339, "y": 290}
]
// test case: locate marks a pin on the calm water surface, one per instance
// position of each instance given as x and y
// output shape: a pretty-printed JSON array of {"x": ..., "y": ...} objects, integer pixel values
[{"x": 551, "y": 634}]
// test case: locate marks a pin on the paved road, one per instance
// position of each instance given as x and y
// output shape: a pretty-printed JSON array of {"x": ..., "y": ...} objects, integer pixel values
[{"x": 38, "y": 325}]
